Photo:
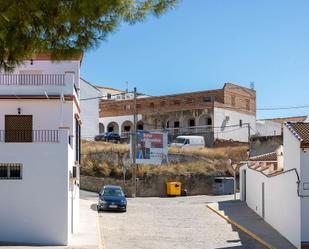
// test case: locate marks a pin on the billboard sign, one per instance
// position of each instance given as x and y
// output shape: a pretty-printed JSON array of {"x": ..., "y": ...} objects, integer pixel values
[{"x": 151, "y": 148}]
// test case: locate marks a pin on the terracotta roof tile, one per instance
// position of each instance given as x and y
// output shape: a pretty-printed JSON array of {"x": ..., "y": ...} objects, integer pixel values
[
  {"x": 272, "y": 156},
  {"x": 300, "y": 130}
]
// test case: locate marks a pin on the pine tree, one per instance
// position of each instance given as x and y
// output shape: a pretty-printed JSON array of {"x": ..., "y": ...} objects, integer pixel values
[{"x": 65, "y": 27}]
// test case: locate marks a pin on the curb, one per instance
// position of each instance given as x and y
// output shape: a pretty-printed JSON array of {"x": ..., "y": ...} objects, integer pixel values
[
  {"x": 100, "y": 242},
  {"x": 243, "y": 229}
]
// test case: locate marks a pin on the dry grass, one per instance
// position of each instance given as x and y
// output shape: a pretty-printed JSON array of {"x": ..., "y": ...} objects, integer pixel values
[
  {"x": 213, "y": 161},
  {"x": 89, "y": 147},
  {"x": 236, "y": 154}
]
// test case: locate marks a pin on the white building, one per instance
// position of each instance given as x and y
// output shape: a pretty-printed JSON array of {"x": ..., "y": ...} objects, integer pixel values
[
  {"x": 276, "y": 185},
  {"x": 39, "y": 151},
  {"x": 90, "y": 96}
]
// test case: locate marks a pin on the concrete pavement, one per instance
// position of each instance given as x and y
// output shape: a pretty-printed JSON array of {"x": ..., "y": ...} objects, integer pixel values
[{"x": 171, "y": 223}]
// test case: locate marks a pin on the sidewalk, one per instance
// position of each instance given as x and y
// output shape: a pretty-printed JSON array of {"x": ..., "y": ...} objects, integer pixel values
[
  {"x": 240, "y": 213},
  {"x": 87, "y": 236}
]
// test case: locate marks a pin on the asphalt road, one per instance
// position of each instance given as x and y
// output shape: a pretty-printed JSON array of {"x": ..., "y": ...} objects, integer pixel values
[{"x": 167, "y": 223}]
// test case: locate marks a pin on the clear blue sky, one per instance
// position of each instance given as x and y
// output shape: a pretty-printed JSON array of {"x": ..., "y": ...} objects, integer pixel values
[{"x": 204, "y": 43}]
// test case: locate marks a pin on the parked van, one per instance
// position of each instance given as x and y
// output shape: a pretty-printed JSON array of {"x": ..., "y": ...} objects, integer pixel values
[{"x": 189, "y": 141}]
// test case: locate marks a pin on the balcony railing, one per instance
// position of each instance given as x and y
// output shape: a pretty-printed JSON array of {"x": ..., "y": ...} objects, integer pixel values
[
  {"x": 32, "y": 79},
  {"x": 29, "y": 136}
]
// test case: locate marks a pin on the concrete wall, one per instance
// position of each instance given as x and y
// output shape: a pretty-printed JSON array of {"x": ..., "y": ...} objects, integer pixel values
[
  {"x": 281, "y": 201},
  {"x": 236, "y": 132},
  {"x": 35, "y": 209},
  {"x": 89, "y": 110},
  {"x": 153, "y": 185}
]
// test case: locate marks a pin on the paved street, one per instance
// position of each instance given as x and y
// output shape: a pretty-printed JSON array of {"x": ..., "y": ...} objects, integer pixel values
[{"x": 184, "y": 222}]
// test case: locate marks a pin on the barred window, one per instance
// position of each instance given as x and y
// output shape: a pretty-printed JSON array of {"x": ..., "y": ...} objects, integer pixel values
[{"x": 10, "y": 171}]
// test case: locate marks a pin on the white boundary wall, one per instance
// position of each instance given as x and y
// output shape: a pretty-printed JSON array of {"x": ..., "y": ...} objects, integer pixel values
[
  {"x": 224, "y": 117},
  {"x": 281, "y": 205}
]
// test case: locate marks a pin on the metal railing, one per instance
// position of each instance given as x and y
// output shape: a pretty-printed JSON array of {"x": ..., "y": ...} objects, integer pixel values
[
  {"x": 32, "y": 79},
  {"x": 29, "y": 136}
]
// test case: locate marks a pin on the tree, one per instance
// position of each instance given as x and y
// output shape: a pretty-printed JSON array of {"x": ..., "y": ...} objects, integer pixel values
[{"x": 65, "y": 27}]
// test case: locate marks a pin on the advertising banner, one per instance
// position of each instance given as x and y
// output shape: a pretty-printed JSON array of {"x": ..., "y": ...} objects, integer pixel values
[{"x": 151, "y": 148}]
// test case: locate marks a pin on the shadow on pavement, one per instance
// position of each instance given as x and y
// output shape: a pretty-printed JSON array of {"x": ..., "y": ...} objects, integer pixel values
[{"x": 243, "y": 215}]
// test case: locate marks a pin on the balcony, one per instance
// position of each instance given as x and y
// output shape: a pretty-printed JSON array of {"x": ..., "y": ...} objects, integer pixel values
[
  {"x": 37, "y": 84},
  {"x": 32, "y": 79},
  {"x": 29, "y": 136}
]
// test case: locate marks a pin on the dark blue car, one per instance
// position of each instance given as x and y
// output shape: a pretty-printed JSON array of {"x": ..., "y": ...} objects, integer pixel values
[
  {"x": 108, "y": 137},
  {"x": 112, "y": 198}
]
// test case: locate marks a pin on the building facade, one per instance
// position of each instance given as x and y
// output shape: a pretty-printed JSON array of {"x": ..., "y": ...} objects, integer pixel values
[
  {"x": 39, "y": 151},
  {"x": 89, "y": 104},
  {"x": 276, "y": 185},
  {"x": 218, "y": 114}
]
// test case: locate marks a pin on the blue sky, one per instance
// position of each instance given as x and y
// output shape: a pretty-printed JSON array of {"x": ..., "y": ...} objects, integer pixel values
[{"x": 203, "y": 43}]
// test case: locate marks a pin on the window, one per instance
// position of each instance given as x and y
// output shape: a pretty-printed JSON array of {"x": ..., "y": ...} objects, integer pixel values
[
  {"x": 127, "y": 107},
  {"x": 168, "y": 124},
  {"x": 191, "y": 122},
  {"x": 209, "y": 121},
  {"x": 77, "y": 140},
  {"x": 240, "y": 123},
  {"x": 233, "y": 100},
  {"x": 127, "y": 128},
  {"x": 138, "y": 106},
  {"x": 140, "y": 127},
  {"x": 176, "y": 124},
  {"x": 109, "y": 96},
  {"x": 18, "y": 128},
  {"x": 247, "y": 104},
  {"x": 176, "y": 102},
  {"x": 10, "y": 171},
  {"x": 189, "y": 101},
  {"x": 207, "y": 99},
  {"x": 151, "y": 105}
]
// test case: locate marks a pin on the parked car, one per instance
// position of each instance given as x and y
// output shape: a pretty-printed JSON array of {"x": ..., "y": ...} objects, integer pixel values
[
  {"x": 108, "y": 137},
  {"x": 189, "y": 141},
  {"x": 112, "y": 198}
]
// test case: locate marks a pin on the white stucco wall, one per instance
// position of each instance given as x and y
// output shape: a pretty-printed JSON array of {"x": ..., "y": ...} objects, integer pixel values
[
  {"x": 281, "y": 205},
  {"x": 234, "y": 133},
  {"x": 46, "y": 113},
  {"x": 304, "y": 179},
  {"x": 291, "y": 150},
  {"x": 89, "y": 110},
  {"x": 268, "y": 128},
  {"x": 35, "y": 209},
  {"x": 46, "y": 67}
]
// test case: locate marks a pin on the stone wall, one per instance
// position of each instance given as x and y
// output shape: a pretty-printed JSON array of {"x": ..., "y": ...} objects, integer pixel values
[{"x": 153, "y": 185}]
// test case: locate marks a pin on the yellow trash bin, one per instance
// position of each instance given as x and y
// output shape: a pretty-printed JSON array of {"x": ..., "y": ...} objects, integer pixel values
[{"x": 173, "y": 188}]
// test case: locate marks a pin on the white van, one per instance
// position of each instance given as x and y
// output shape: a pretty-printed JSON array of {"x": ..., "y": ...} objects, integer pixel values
[{"x": 189, "y": 142}]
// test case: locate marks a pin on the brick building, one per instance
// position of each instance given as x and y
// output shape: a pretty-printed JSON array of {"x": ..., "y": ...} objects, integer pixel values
[{"x": 217, "y": 114}]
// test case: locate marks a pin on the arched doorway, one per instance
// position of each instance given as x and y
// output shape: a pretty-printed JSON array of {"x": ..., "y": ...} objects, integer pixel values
[
  {"x": 126, "y": 126},
  {"x": 140, "y": 125},
  {"x": 113, "y": 127}
]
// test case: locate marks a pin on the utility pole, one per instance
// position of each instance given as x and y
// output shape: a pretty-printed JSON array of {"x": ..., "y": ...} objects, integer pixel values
[{"x": 134, "y": 144}]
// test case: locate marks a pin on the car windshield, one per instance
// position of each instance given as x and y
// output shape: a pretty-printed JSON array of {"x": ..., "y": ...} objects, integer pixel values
[
  {"x": 112, "y": 192},
  {"x": 182, "y": 141}
]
